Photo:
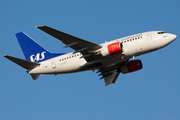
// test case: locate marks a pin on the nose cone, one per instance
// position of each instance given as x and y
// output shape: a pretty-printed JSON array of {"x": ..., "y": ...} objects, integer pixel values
[
  {"x": 173, "y": 37},
  {"x": 168, "y": 39}
]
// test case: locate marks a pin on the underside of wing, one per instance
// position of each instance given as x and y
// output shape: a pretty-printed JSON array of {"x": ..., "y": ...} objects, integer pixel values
[
  {"x": 111, "y": 78},
  {"x": 110, "y": 74},
  {"x": 79, "y": 45}
]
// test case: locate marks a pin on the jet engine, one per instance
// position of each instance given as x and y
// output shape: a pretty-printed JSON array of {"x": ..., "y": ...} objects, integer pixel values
[
  {"x": 112, "y": 49},
  {"x": 131, "y": 66}
]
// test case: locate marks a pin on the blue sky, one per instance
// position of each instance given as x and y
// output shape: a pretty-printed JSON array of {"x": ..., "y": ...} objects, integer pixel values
[{"x": 152, "y": 93}]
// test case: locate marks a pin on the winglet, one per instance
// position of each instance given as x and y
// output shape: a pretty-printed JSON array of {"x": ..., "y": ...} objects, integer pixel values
[{"x": 40, "y": 26}]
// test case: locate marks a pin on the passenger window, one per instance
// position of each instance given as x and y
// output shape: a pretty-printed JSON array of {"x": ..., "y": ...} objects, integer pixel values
[{"x": 127, "y": 40}]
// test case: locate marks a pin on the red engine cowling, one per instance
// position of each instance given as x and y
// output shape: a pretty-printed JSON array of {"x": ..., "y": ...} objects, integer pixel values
[
  {"x": 131, "y": 66},
  {"x": 112, "y": 49}
]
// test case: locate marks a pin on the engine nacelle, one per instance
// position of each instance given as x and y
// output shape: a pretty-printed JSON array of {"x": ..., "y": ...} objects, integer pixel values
[
  {"x": 131, "y": 66},
  {"x": 112, "y": 49}
]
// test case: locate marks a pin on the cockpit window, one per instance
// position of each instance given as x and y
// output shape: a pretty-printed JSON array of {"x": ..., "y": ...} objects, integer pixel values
[{"x": 161, "y": 32}]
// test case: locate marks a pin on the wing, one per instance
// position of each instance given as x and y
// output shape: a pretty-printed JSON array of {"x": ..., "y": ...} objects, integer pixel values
[
  {"x": 110, "y": 74},
  {"x": 79, "y": 45},
  {"x": 111, "y": 78}
]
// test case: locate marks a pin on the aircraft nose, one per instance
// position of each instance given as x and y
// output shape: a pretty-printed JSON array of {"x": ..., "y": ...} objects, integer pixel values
[
  {"x": 169, "y": 39},
  {"x": 174, "y": 36}
]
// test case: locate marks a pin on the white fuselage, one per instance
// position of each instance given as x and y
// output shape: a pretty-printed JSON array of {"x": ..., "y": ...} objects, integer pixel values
[{"x": 134, "y": 45}]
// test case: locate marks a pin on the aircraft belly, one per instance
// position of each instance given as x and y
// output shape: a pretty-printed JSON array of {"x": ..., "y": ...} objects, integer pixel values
[{"x": 155, "y": 44}]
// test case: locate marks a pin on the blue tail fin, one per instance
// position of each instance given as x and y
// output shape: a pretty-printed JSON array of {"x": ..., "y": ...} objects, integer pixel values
[{"x": 32, "y": 50}]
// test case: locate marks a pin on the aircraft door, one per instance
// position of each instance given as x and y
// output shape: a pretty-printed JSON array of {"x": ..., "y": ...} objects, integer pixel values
[
  {"x": 149, "y": 36},
  {"x": 53, "y": 63}
]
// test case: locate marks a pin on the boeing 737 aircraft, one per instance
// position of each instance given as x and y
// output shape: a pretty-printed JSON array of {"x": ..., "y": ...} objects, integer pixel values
[{"x": 109, "y": 58}]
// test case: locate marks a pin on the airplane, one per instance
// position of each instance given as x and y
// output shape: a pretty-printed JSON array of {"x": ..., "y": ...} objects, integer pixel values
[{"x": 109, "y": 58}]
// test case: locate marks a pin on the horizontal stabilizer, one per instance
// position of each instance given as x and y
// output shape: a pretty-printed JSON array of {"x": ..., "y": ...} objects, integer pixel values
[
  {"x": 35, "y": 76},
  {"x": 23, "y": 63}
]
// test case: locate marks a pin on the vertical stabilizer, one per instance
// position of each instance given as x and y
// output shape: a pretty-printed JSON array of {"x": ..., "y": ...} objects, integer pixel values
[{"x": 33, "y": 51}]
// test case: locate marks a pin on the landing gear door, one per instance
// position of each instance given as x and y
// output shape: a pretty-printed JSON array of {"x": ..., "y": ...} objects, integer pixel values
[{"x": 149, "y": 36}]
